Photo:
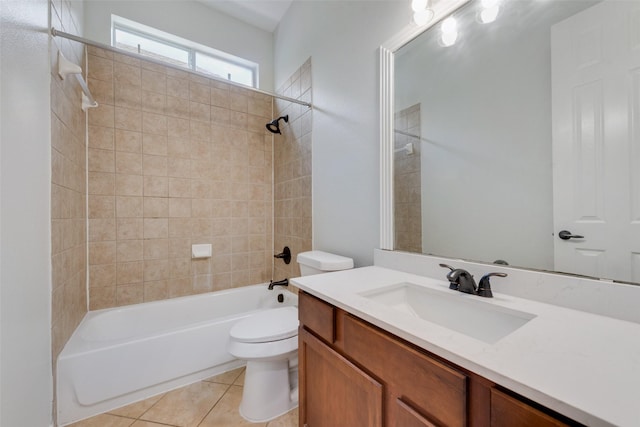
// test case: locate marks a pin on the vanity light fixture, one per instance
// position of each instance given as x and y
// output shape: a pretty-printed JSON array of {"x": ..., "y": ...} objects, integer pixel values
[
  {"x": 422, "y": 12},
  {"x": 449, "y": 32},
  {"x": 489, "y": 12}
]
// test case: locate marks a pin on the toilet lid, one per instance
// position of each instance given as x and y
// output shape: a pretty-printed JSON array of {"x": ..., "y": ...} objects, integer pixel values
[{"x": 269, "y": 325}]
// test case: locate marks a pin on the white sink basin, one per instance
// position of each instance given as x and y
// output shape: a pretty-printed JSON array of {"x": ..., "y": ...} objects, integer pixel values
[{"x": 460, "y": 312}]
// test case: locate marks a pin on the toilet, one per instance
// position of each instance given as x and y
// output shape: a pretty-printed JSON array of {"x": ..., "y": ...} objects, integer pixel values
[{"x": 268, "y": 341}]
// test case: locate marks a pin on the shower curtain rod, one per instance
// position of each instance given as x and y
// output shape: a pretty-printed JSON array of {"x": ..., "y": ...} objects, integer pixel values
[{"x": 56, "y": 33}]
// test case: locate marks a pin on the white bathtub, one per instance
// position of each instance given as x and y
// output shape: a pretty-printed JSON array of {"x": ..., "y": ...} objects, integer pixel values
[{"x": 122, "y": 355}]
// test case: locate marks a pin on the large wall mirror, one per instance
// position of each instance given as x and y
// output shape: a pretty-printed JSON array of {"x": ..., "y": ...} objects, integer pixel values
[{"x": 512, "y": 135}]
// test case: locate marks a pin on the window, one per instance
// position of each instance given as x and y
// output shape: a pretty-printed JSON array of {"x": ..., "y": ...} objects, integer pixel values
[{"x": 147, "y": 41}]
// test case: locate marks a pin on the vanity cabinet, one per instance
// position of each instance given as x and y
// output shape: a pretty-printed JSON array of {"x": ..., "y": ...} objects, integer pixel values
[{"x": 355, "y": 374}]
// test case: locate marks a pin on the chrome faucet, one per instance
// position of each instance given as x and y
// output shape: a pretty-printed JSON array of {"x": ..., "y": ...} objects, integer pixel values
[{"x": 461, "y": 280}]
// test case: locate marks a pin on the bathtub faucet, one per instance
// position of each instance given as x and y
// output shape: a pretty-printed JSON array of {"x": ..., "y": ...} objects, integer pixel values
[{"x": 283, "y": 282}]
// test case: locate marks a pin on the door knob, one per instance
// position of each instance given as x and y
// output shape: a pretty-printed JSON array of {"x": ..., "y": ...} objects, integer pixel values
[{"x": 566, "y": 235}]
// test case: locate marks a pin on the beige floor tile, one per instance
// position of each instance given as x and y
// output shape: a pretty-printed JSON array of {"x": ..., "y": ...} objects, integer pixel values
[
  {"x": 227, "y": 377},
  {"x": 185, "y": 407},
  {"x": 240, "y": 380},
  {"x": 135, "y": 410},
  {"x": 225, "y": 413},
  {"x": 104, "y": 420},
  {"x": 290, "y": 419}
]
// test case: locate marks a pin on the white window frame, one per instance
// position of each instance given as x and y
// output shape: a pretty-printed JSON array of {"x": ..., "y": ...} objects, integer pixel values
[{"x": 132, "y": 27}]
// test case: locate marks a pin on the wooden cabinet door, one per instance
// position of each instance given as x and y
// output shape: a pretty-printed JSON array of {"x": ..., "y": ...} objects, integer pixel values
[
  {"x": 507, "y": 411},
  {"x": 333, "y": 391}
]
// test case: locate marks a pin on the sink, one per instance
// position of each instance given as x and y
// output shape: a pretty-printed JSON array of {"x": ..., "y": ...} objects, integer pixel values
[{"x": 453, "y": 310}]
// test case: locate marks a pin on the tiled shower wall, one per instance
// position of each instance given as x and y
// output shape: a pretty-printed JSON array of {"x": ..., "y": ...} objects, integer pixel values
[
  {"x": 292, "y": 173},
  {"x": 68, "y": 184},
  {"x": 175, "y": 159},
  {"x": 407, "y": 181}
]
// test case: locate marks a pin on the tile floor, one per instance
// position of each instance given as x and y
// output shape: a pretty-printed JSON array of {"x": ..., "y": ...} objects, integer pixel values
[{"x": 213, "y": 402}]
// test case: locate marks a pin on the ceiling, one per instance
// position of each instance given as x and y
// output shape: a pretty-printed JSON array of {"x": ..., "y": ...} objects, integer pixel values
[{"x": 264, "y": 14}]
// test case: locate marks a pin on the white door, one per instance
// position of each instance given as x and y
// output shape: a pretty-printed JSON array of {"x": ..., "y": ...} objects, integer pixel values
[{"x": 596, "y": 140}]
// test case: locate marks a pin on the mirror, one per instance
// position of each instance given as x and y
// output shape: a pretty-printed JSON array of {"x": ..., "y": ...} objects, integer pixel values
[{"x": 526, "y": 126}]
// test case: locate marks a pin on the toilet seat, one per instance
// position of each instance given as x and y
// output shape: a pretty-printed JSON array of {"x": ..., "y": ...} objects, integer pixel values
[{"x": 267, "y": 326}]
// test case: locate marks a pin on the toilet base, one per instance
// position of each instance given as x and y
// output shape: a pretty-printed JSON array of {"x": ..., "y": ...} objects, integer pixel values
[{"x": 267, "y": 390}]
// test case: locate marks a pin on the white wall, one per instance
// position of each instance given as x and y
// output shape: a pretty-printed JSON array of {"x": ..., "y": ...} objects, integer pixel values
[
  {"x": 342, "y": 39},
  {"x": 25, "y": 266},
  {"x": 189, "y": 20}
]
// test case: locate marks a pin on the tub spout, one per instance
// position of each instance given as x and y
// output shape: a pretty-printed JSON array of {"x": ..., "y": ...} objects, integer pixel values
[{"x": 283, "y": 282}]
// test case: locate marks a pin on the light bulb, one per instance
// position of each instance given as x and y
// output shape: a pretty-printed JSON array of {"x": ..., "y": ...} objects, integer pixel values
[
  {"x": 449, "y": 25},
  {"x": 489, "y": 15},
  {"x": 419, "y": 5},
  {"x": 423, "y": 17},
  {"x": 448, "y": 39}
]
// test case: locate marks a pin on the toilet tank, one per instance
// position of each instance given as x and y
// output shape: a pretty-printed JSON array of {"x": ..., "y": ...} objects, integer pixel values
[{"x": 315, "y": 262}]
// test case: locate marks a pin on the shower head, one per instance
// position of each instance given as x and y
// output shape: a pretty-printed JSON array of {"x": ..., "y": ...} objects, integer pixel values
[{"x": 274, "y": 127}]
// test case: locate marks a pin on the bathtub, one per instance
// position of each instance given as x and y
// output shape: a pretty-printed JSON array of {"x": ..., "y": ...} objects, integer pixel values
[{"x": 121, "y": 355}]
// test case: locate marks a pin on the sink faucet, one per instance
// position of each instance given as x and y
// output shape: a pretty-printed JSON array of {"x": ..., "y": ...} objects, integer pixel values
[{"x": 461, "y": 280}]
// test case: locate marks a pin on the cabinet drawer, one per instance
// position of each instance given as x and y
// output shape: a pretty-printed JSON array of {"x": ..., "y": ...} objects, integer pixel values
[
  {"x": 317, "y": 316},
  {"x": 434, "y": 390},
  {"x": 507, "y": 411}
]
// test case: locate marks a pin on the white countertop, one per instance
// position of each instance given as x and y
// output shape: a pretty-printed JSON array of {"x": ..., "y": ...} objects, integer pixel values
[{"x": 584, "y": 366}]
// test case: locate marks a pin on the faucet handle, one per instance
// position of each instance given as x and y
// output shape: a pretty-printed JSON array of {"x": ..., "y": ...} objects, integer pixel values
[{"x": 484, "y": 287}]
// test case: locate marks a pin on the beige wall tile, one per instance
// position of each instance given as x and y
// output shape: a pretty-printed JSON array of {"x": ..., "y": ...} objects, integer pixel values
[
  {"x": 129, "y": 294},
  {"x": 154, "y": 144},
  {"x": 128, "y": 119},
  {"x": 156, "y": 228},
  {"x": 128, "y": 207},
  {"x": 129, "y": 229},
  {"x": 177, "y": 87},
  {"x": 101, "y": 160},
  {"x": 129, "y": 250},
  {"x": 102, "y": 275},
  {"x": 102, "y": 297},
  {"x": 129, "y": 272},
  {"x": 179, "y": 187},
  {"x": 127, "y": 141},
  {"x": 156, "y": 186},
  {"x": 128, "y": 163},
  {"x": 101, "y": 137},
  {"x": 102, "y": 229},
  {"x": 154, "y": 102},
  {"x": 199, "y": 93},
  {"x": 126, "y": 74},
  {"x": 100, "y": 68},
  {"x": 103, "y": 116},
  {"x": 156, "y": 207},
  {"x": 154, "y": 81},
  {"x": 128, "y": 185},
  {"x": 154, "y": 123},
  {"x": 128, "y": 95},
  {"x": 156, "y": 249},
  {"x": 102, "y": 253},
  {"x": 102, "y": 206},
  {"x": 102, "y": 183},
  {"x": 179, "y": 207},
  {"x": 156, "y": 269},
  {"x": 154, "y": 165},
  {"x": 183, "y": 159}
]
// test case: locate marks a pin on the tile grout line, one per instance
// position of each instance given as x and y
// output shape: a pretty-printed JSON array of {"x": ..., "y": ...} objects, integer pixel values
[{"x": 216, "y": 403}]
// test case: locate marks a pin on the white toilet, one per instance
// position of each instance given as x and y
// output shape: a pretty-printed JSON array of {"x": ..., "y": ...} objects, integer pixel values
[{"x": 268, "y": 341}]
